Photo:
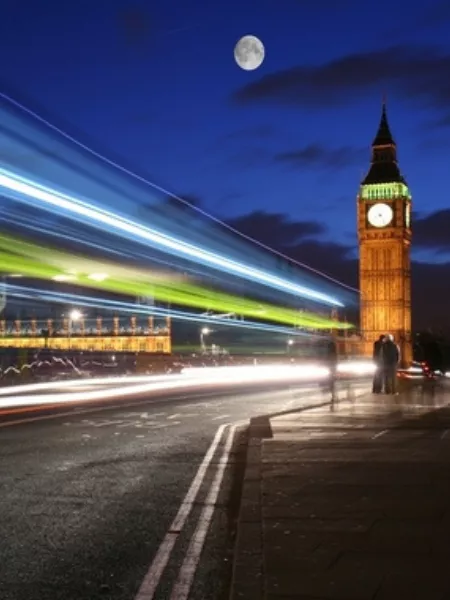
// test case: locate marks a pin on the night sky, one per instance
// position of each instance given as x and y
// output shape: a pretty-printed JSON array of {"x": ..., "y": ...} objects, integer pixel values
[{"x": 279, "y": 152}]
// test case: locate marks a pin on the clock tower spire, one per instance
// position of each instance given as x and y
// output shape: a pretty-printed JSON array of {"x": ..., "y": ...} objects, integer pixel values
[{"x": 384, "y": 231}]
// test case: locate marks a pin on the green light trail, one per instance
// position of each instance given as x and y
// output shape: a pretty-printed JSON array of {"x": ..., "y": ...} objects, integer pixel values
[{"x": 31, "y": 260}]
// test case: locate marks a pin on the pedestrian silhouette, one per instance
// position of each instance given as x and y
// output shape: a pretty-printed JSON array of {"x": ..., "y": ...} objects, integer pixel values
[
  {"x": 378, "y": 378},
  {"x": 391, "y": 358},
  {"x": 331, "y": 359}
]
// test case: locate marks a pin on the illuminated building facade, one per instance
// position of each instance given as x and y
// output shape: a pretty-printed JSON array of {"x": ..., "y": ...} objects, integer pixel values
[
  {"x": 98, "y": 335},
  {"x": 384, "y": 231}
]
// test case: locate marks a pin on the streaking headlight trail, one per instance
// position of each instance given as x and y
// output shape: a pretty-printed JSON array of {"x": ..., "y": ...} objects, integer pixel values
[
  {"x": 46, "y": 263},
  {"x": 191, "y": 377},
  {"x": 27, "y": 191}
]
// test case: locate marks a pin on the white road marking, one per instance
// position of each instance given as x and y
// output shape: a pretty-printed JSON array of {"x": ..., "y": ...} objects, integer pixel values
[
  {"x": 174, "y": 416},
  {"x": 104, "y": 423},
  {"x": 187, "y": 571},
  {"x": 153, "y": 576},
  {"x": 444, "y": 434},
  {"x": 220, "y": 417},
  {"x": 380, "y": 433}
]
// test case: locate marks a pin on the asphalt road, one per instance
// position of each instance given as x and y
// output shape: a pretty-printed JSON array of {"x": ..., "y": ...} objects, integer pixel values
[{"x": 89, "y": 495}]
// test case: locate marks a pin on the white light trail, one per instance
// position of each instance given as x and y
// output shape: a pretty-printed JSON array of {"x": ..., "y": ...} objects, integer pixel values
[
  {"x": 357, "y": 367},
  {"x": 197, "y": 209},
  {"x": 192, "y": 377},
  {"x": 75, "y": 206},
  {"x": 113, "y": 380}
]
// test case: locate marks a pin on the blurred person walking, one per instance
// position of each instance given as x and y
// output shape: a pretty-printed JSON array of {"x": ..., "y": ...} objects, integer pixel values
[
  {"x": 378, "y": 378},
  {"x": 391, "y": 359},
  {"x": 331, "y": 359}
]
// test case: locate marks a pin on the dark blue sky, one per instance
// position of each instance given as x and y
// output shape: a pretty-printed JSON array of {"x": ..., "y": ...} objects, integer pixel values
[{"x": 156, "y": 83}]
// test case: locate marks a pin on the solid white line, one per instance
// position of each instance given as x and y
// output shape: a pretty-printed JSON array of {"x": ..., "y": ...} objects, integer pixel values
[
  {"x": 187, "y": 571},
  {"x": 379, "y": 434},
  {"x": 444, "y": 434},
  {"x": 154, "y": 574},
  {"x": 220, "y": 417}
]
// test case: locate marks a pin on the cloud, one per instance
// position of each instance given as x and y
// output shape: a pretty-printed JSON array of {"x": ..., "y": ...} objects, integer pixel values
[
  {"x": 257, "y": 132},
  {"x": 317, "y": 155},
  {"x": 433, "y": 231},
  {"x": 250, "y": 158},
  {"x": 312, "y": 155},
  {"x": 441, "y": 122},
  {"x": 300, "y": 240},
  {"x": 435, "y": 14},
  {"x": 413, "y": 71},
  {"x": 275, "y": 229},
  {"x": 189, "y": 201},
  {"x": 135, "y": 25}
]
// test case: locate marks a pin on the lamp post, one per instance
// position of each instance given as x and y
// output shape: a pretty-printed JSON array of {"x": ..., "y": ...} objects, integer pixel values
[
  {"x": 74, "y": 315},
  {"x": 204, "y": 331},
  {"x": 289, "y": 345}
]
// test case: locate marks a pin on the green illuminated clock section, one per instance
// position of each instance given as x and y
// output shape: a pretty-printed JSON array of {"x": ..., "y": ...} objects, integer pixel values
[
  {"x": 384, "y": 191},
  {"x": 408, "y": 216}
]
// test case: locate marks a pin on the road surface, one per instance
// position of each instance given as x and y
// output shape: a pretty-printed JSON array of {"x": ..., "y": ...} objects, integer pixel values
[{"x": 89, "y": 496}]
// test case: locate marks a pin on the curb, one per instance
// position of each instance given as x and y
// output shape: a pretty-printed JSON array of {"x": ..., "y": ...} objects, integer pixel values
[
  {"x": 247, "y": 579},
  {"x": 247, "y": 576}
]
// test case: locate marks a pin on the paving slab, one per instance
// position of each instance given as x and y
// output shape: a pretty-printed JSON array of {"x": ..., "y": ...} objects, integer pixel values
[{"x": 353, "y": 501}]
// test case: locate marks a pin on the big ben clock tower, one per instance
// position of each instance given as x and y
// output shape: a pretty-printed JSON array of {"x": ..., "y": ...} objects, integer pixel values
[{"x": 384, "y": 231}]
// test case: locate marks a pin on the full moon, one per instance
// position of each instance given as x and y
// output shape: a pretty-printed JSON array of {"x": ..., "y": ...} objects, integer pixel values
[{"x": 249, "y": 52}]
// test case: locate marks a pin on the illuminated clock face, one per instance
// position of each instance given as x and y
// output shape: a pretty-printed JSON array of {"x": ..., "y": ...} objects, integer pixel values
[{"x": 380, "y": 215}]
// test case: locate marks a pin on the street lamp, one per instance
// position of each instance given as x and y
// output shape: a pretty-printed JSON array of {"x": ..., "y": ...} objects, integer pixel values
[
  {"x": 289, "y": 345},
  {"x": 203, "y": 332},
  {"x": 74, "y": 315}
]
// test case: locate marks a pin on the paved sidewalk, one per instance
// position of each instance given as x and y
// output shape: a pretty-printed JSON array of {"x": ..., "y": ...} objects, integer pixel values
[{"x": 351, "y": 503}]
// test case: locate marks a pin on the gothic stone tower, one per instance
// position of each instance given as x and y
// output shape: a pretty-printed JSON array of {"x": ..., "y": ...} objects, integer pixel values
[{"x": 384, "y": 231}]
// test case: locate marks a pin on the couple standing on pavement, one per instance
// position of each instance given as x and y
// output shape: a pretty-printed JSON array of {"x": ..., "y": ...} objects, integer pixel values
[{"x": 386, "y": 355}]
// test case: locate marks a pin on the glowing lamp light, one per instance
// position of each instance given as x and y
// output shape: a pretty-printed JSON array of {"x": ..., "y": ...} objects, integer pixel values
[
  {"x": 75, "y": 315},
  {"x": 205, "y": 330}
]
